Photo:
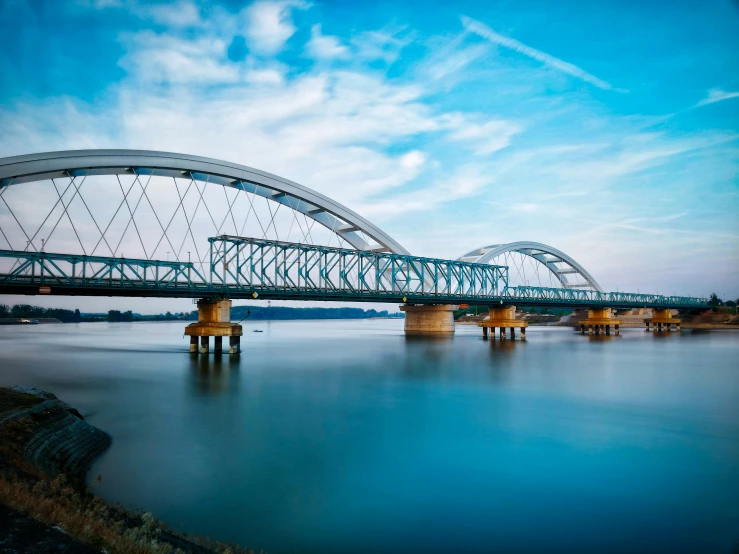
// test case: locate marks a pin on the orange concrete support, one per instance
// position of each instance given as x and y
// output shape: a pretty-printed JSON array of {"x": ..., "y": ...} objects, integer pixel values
[
  {"x": 214, "y": 320},
  {"x": 662, "y": 319},
  {"x": 433, "y": 319},
  {"x": 600, "y": 320},
  {"x": 503, "y": 317}
]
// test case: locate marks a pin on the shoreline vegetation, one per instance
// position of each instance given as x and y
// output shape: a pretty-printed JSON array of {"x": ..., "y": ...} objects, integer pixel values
[
  {"x": 259, "y": 313},
  {"x": 49, "y": 488}
]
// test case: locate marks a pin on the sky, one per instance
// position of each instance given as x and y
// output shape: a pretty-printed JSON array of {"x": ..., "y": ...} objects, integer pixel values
[{"x": 609, "y": 130}]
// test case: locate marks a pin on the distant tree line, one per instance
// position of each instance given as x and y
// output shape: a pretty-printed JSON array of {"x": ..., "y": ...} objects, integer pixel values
[
  {"x": 237, "y": 313},
  {"x": 34, "y": 312},
  {"x": 115, "y": 315},
  {"x": 284, "y": 312}
]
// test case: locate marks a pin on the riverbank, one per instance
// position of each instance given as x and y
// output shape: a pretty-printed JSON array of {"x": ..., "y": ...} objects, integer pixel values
[{"x": 46, "y": 449}]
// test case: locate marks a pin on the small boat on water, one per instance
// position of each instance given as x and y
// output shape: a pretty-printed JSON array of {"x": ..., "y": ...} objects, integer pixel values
[
  {"x": 257, "y": 331},
  {"x": 18, "y": 321}
]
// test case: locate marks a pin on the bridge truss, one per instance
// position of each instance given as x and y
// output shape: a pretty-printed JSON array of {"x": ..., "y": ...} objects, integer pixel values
[{"x": 242, "y": 268}]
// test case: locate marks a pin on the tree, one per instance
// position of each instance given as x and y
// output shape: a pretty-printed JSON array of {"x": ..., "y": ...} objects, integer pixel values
[{"x": 714, "y": 301}]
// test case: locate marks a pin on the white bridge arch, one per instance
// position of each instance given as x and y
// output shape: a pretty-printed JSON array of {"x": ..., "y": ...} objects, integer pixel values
[
  {"x": 350, "y": 226},
  {"x": 565, "y": 269}
]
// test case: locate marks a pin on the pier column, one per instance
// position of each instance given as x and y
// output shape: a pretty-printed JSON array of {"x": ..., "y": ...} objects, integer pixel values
[
  {"x": 234, "y": 345},
  {"x": 432, "y": 319},
  {"x": 194, "y": 344},
  {"x": 504, "y": 317},
  {"x": 600, "y": 319},
  {"x": 214, "y": 320},
  {"x": 485, "y": 333},
  {"x": 662, "y": 317}
]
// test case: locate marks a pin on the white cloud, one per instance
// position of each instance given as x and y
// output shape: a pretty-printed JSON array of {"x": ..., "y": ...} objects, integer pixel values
[
  {"x": 166, "y": 59},
  {"x": 717, "y": 95},
  {"x": 383, "y": 44},
  {"x": 180, "y": 14},
  {"x": 484, "y": 138},
  {"x": 487, "y": 33},
  {"x": 101, "y": 4},
  {"x": 324, "y": 46},
  {"x": 413, "y": 160},
  {"x": 463, "y": 182},
  {"x": 269, "y": 25}
]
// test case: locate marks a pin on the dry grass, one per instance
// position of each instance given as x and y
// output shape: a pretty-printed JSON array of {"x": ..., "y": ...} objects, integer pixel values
[{"x": 89, "y": 519}]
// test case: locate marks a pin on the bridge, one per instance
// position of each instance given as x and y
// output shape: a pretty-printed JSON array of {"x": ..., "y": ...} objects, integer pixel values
[{"x": 57, "y": 210}]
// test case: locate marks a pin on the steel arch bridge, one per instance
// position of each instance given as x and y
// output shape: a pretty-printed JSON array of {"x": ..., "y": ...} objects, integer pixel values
[
  {"x": 565, "y": 269},
  {"x": 58, "y": 209}
]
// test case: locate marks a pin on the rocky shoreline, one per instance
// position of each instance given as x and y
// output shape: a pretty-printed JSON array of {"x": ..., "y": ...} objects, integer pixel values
[{"x": 46, "y": 449}]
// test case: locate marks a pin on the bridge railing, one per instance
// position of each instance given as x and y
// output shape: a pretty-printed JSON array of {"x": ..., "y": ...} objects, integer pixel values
[{"x": 246, "y": 263}]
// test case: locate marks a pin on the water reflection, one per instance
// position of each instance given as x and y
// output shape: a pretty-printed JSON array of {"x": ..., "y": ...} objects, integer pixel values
[
  {"x": 602, "y": 337},
  {"x": 214, "y": 374},
  {"x": 505, "y": 346}
]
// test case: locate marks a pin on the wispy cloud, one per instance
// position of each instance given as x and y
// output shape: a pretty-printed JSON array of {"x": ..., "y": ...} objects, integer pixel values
[
  {"x": 383, "y": 44},
  {"x": 450, "y": 57},
  {"x": 717, "y": 95},
  {"x": 324, "y": 46},
  {"x": 487, "y": 33},
  {"x": 181, "y": 14},
  {"x": 269, "y": 25},
  {"x": 485, "y": 138}
]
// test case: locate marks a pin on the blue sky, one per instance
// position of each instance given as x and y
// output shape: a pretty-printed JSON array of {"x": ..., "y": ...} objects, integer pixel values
[{"x": 609, "y": 130}]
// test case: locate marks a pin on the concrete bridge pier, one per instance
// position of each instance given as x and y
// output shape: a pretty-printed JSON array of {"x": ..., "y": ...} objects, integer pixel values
[
  {"x": 429, "y": 319},
  {"x": 214, "y": 320},
  {"x": 662, "y": 319},
  {"x": 503, "y": 317},
  {"x": 600, "y": 319}
]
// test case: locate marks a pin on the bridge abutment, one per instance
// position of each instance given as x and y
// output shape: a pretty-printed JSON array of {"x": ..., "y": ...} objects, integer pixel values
[
  {"x": 433, "y": 319},
  {"x": 503, "y": 317},
  {"x": 214, "y": 320}
]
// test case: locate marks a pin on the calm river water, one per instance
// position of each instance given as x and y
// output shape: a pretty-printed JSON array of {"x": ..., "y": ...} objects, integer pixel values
[{"x": 344, "y": 436}]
